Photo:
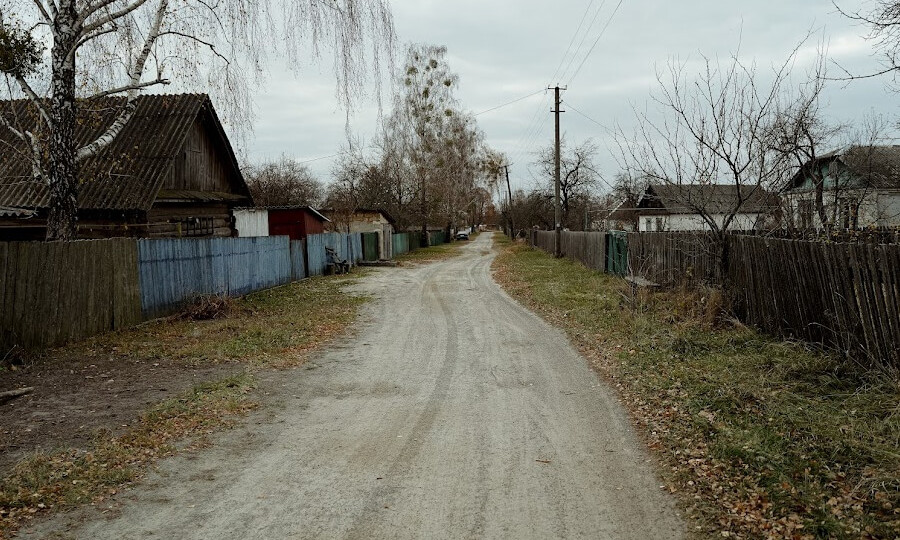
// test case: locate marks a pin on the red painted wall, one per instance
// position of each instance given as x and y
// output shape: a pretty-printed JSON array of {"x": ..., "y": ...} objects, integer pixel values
[{"x": 296, "y": 223}]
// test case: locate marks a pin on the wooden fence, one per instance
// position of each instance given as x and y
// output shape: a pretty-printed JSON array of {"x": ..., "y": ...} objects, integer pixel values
[
  {"x": 589, "y": 248},
  {"x": 51, "y": 293},
  {"x": 842, "y": 295},
  {"x": 674, "y": 258}
]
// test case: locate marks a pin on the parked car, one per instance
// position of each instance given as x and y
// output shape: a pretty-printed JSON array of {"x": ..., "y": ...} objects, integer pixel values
[{"x": 462, "y": 236}]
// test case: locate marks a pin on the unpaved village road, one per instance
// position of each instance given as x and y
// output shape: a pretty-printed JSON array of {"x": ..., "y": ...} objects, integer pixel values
[{"x": 451, "y": 413}]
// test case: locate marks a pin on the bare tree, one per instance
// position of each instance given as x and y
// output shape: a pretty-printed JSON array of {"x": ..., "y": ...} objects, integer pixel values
[
  {"x": 883, "y": 20},
  {"x": 283, "y": 183},
  {"x": 720, "y": 128},
  {"x": 578, "y": 177},
  {"x": 102, "y": 48}
]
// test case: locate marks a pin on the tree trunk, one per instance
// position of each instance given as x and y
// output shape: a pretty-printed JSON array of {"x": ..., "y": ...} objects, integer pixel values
[{"x": 62, "y": 222}]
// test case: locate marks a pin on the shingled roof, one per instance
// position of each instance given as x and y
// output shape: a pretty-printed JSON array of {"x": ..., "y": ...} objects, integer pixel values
[
  {"x": 712, "y": 198},
  {"x": 129, "y": 173}
]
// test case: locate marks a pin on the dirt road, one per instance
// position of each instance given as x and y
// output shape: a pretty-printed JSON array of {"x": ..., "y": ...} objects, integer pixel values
[{"x": 452, "y": 413}]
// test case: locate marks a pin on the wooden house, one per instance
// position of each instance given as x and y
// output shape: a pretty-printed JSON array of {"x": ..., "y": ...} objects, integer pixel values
[
  {"x": 171, "y": 172},
  {"x": 860, "y": 188}
]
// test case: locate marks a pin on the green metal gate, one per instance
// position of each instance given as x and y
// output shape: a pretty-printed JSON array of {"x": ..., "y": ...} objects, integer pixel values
[
  {"x": 617, "y": 253},
  {"x": 370, "y": 246}
]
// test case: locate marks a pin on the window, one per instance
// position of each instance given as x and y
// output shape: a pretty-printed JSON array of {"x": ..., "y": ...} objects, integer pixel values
[
  {"x": 805, "y": 214},
  {"x": 648, "y": 224},
  {"x": 849, "y": 209},
  {"x": 659, "y": 224},
  {"x": 196, "y": 226}
]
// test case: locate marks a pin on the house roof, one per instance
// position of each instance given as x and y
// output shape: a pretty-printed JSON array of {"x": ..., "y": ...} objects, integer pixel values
[
  {"x": 6, "y": 211},
  {"x": 318, "y": 215},
  {"x": 712, "y": 198},
  {"x": 129, "y": 173},
  {"x": 381, "y": 211},
  {"x": 875, "y": 166}
]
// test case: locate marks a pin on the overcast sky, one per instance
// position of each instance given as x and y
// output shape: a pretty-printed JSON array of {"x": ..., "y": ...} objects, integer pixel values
[{"x": 503, "y": 50}]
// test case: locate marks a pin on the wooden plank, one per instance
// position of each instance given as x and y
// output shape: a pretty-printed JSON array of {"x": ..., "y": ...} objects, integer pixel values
[
  {"x": 6, "y": 288},
  {"x": 21, "y": 300}
]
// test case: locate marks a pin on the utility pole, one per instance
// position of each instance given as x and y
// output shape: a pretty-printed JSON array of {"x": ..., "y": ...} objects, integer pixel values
[
  {"x": 512, "y": 225},
  {"x": 557, "y": 210}
]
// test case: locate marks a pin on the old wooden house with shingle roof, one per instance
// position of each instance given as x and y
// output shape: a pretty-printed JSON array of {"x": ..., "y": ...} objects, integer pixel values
[{"x": 171, "y": 172}]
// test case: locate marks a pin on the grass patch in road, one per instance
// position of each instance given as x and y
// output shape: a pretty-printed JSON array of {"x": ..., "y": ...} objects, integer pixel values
[
  {"x": 45, "y": 482},
  {"x": 760, "y": 438},
  {"x": 433, "y": 253}
]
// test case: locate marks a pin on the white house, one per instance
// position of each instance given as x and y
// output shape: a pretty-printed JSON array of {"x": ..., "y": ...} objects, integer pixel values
[
  {"x": 860, "y": 188},
  {"x": 670, "y": 207}
]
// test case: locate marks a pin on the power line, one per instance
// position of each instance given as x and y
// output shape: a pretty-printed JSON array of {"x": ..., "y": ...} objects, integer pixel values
[
  {"x": 575, "y": 35},
  {"x": 317, "y": 159},
  {"x": 510, "y": 103},
  {"x": 584, "y": 115},
  {"x": 583, "y": 39},
  {"x": 596, "y": 41}
]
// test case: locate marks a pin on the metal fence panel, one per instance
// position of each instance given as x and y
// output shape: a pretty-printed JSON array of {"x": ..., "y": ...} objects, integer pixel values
[{"x": 175, "y": 270}]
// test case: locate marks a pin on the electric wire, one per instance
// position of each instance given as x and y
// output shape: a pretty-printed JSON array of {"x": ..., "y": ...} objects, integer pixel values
[
  {"x": 509, "y": 103},
  {"x": 571, "y": 41},
  {"x": 584, "y": 37},
  {"x": 608, "y": 21}
]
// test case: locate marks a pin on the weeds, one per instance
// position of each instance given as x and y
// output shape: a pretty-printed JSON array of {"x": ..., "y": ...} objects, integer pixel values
[{"x": 761, "y": 438}]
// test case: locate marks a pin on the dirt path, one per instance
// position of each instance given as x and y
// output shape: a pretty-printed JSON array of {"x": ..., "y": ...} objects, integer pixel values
[{"x": 454, "y": 413}]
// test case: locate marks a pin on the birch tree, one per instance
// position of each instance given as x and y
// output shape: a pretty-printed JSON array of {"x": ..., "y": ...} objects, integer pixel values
[{"x": 120, "y": 48}]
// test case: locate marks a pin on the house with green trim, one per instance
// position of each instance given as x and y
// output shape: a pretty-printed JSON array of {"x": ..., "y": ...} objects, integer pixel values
[{"x": 860, "y": 187}]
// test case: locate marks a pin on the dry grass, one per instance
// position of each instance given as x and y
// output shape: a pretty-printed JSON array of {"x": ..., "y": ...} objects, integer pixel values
[
  {"x": 45, "y": 482},
  {"x": 759, "y": 438},
  {"x": 276, "y": 328}
]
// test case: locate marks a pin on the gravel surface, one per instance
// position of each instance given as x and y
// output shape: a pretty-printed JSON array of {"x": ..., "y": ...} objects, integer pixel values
[{"x": 452, "y": 412}]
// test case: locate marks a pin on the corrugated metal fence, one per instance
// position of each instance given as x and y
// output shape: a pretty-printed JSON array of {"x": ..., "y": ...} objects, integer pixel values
[{"x": 175, "y": 270}]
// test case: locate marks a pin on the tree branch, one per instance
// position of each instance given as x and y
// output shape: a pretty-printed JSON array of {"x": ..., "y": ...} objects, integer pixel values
[
  {"x": 124, "y": 117},
  {"x": 129, "y": 87}
]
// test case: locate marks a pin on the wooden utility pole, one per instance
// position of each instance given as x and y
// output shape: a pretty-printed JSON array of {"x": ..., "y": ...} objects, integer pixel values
[
  {"x": 512, "y": 225},
  {"x": 557, "y": 210}
]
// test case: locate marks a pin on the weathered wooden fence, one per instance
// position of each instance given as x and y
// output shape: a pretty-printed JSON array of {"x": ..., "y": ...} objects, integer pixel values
[
  {"x": 842, "y": 295},
  {"x": 175, "y": 270},
  {"x": 544, "y": 240},
  {"x": 51, "y": 293},
  {"x": 589, "y": 248},
  {"x": 675, "y": 258}
]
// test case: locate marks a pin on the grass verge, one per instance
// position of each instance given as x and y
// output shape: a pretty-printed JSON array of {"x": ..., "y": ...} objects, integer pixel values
[
  {"x": 759, "y": 438},
  {"x": 45, "y": 482},
  {"x": 276, "y": 328},
  {"x": 271, "y": 328}
]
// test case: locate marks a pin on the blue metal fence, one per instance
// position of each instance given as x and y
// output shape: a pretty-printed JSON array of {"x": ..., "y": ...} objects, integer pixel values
[
  {"x": 347, "y": 246},
  {"x": 298, "y": 259},
  {"x": 173, "y": 271}
]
